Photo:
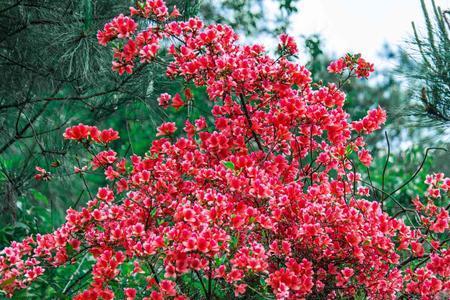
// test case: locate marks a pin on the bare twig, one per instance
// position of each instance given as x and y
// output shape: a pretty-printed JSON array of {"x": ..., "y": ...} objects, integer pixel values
[{"x": 249, "y": 120}]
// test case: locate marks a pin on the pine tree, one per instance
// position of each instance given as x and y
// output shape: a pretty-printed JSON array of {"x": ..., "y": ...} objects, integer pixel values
[
  {"x": 54, "y": 73},
  {"x": 428, "y": 68}
]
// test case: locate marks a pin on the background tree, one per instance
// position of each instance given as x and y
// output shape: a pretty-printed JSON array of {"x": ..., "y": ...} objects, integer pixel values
[
  {"x": 427, "y": 66},
  {"x": 260, "y": 16}
]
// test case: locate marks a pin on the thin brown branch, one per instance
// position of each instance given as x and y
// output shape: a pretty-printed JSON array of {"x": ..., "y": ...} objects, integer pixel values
[{"x": 250, "y": 123}]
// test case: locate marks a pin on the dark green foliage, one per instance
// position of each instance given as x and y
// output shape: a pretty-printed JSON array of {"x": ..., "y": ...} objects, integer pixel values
[{"x": 54, "y": 74}]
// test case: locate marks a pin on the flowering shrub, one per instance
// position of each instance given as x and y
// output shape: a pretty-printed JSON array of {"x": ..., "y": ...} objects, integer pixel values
[{"x": 266, "y": 202}]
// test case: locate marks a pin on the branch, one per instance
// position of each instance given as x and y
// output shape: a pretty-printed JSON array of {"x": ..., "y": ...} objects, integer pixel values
[
  {"x": 385, "y": 167},
  {"x": 416, "y": 172},
  {"x": 201, "y": 281},
  {"x": 18, "y": 136},
  {"x": 250, "y": 124},
  {"x": 155, "y": 274},
  {"x": 10, "y": 7}
]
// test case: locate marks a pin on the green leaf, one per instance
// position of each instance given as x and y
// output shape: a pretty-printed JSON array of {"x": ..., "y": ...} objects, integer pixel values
[
  {"x": 228, "y": 165},
  {"x": 348, "y": 150},
  {"x": 234, "y": 242},
  {"x": 153, "y": 212},
  {"x": 39, "y": 196}
]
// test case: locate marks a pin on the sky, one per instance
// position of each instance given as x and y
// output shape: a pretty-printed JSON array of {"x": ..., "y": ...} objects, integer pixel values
[{"x": 360, "y": 26}]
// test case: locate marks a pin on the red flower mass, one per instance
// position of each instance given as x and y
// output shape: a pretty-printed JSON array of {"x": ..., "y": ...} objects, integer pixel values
[{"x": 266, "y": 198}]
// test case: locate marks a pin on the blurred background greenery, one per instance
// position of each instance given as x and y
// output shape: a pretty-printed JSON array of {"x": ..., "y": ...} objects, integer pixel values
[{"x": 54, "y": 74}]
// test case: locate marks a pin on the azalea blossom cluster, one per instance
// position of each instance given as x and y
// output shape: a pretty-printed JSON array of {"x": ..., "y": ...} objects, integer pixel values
[
  {"x": 352, "y": 63},
  {"x": 83, "y": 133},
  {"x": 266, "y": 200}
]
